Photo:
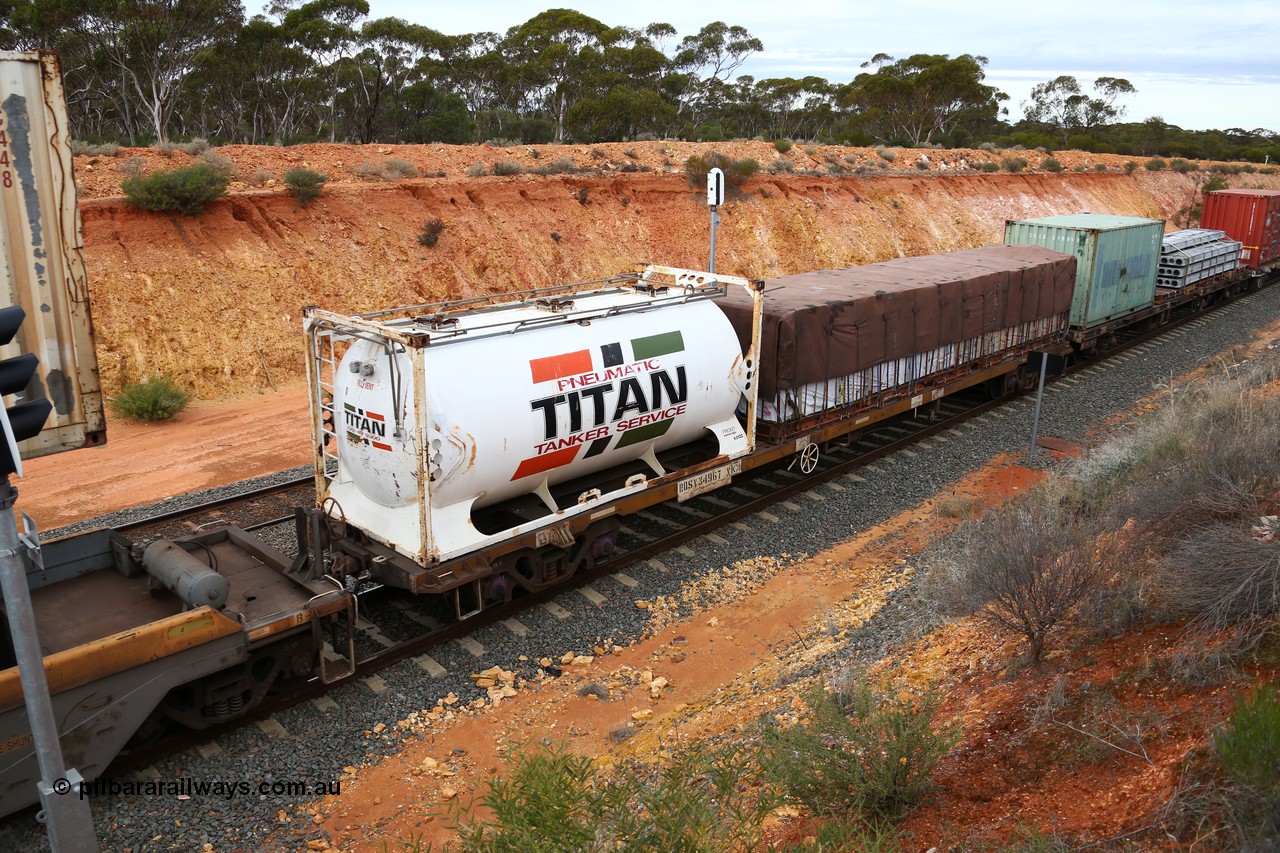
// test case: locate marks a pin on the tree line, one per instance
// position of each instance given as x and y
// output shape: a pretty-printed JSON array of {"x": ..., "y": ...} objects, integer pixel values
[{"x": 146, "y": 71}]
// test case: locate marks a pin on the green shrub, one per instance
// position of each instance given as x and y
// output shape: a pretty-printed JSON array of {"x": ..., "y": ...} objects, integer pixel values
[
  {"x": 1155, "y": 164},
  {"x": 1051, "y": 165},
  {"x": 90, "y": 149},
  {"x": 1081, "y": 168},
  {"x": 221, "y": 162},
  {"x": 1248, "y": 746},
  {"x": 155, "y": 399},
  {"x": 1268, "y": 170},
  {"x": 736, "y": 172},
  {"x": 780, "y": 166},
  {"x": 1130, "y": 166},
  {"x": 886, "y": 154},
  {"x": 565, "y": 166},
  {"x": 858, "y": 753},
  {"x": 431, "y": 233},
  {"x": 305, "y": 185},
  {"x": 1183, "y": 166},
  {"x": 1099, "y": 167},
  {"x": 554, "y": 801},
  {"x": 1014, "y": 164},
  {"x": 987, "y": 166},
  {"x": 1214, "y": 183},
  {"x": 507, "y": 167},
  {"x": 783, "y": 145},
  {"x": 187, "y": 190},
  {"x": 479, "y": 170},
  {"x": 394, "y": 168}
]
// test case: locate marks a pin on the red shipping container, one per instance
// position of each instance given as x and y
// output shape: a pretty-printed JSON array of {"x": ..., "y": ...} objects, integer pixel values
[{"x": 1250, "y": 216}]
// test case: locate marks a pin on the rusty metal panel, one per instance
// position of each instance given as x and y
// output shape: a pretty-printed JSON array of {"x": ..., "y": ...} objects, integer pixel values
[
  {"x": 44, "y": 269},
  {"x": 1250, "y": 216}
]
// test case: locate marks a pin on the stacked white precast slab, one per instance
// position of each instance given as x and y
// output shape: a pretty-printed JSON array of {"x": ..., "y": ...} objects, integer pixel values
[{"x": 1195, "y": 254}]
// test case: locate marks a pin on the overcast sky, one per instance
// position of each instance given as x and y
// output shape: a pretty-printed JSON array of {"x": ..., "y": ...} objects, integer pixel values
[{"x": 1198, "y": 65}]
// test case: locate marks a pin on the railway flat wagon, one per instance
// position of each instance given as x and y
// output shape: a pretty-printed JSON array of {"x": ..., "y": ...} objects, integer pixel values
[
  {"x": 838, "y": 345},
  {"x": 1250, "y": 216},
  {"x": 141, "y": 639}
]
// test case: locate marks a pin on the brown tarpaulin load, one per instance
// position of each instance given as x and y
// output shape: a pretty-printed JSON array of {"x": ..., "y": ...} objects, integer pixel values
[{"x": 820, "y": 325}]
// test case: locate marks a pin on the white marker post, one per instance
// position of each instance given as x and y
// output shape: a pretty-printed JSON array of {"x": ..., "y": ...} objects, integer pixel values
[{"x": 715, "y": 198}]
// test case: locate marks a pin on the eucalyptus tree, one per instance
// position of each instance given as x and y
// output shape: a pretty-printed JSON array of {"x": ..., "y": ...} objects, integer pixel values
[
  {"x": 325, "y": 31},
  {"x": 703, "y": 64},
  {"x": 619, "y": 98},
  {"x": 151, "y": 47},
  {"x": 391, "y": 59},
  {"x": 1062, "y": 106},
  {"x": 549, "y": 60},
  {"x": 924, "y": 96}
]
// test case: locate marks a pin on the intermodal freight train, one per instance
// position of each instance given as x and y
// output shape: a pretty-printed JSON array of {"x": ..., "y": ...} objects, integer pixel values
[{"x": 477, "y": 449}]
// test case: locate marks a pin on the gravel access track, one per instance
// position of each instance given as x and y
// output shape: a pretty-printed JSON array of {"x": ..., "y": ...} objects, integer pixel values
[{"x": 314, "y": 741}]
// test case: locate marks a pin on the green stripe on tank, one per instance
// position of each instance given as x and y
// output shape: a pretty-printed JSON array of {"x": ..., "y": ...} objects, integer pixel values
[
  {"x": 653, "y": 345},
  {"x": 644, "y": 433}
]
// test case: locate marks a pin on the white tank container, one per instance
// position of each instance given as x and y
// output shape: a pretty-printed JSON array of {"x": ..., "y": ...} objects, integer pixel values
[{"x": 517, "y": 400}]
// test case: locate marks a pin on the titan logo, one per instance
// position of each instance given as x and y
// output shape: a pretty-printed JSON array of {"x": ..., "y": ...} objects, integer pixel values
[
  {"x": 610, "y": 402},
  {"x": 366, "y": 422}
]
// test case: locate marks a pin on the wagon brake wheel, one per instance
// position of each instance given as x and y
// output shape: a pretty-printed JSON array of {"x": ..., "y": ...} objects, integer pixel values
[{"x": 809, "y": 459}]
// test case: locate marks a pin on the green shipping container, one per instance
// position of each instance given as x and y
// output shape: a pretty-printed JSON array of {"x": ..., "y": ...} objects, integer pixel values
[{"x": 1116, "y": 260}]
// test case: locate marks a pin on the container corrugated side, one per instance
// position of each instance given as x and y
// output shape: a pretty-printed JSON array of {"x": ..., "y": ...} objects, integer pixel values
[
  {"x": 1250, "y": 216},
  {"x": 1117, "y": 259},
  {"x": 44, "y": 270}
]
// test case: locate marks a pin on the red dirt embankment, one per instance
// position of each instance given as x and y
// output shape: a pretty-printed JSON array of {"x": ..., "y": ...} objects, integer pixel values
[{"x": 214, "y": 300}]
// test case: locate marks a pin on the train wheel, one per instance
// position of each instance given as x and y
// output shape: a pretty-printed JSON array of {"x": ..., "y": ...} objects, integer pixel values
[{"x": 809, "y": 459}]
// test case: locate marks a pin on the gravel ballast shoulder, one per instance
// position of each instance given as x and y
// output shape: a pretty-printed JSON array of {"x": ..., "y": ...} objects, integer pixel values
[{"x": 317, "y": 744}]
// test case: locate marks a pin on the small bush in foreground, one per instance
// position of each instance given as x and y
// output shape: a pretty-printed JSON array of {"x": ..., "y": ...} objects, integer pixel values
[
  {"x": 1051, "y": 165},
  {"x": 305, "y": 185},
  {"x": 1183, "y": 166},
  {"x": 1248, "y": 747},
  {"x": 987, "y": 166},
  {"x": 187, "y": 190},
  {"x": 554, "y": 801},
  {"x": 156, "y": 399},
  {"x": 431, "y": 233},
  {"x": 1130, "y": 166},
  {"x": 1155, "y": 164},
  {"x": 783, "y": 145},
  {"x": 507, "y": 167},
  {"x": 1014, "y": 164},
  {"x": 1026, "y": 566},
  {"x": 858, "y": 753}
]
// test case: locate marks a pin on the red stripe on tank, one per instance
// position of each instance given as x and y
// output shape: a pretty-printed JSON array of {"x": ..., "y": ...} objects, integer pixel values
[
  {"x": 545, "y": 462},
  {"x": 559, "y": 366}
]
